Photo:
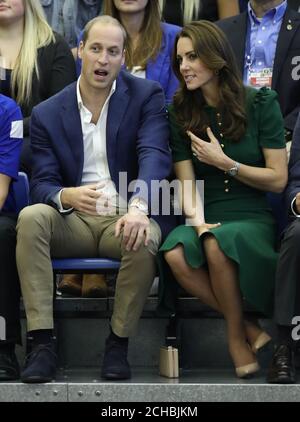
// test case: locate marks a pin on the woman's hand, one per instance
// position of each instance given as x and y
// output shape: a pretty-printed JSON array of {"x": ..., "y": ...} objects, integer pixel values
[
  {"x": 211, "y": 152},
  {"x": 205, "y": 228}
]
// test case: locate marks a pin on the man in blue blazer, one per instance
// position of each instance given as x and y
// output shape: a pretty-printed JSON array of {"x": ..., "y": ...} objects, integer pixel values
[
  {"x": 90, "y": 142},
  {"x": 268, "y": 35}
]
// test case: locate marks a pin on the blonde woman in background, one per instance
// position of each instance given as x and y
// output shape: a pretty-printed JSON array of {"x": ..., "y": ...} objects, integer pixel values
[
  {"x": 36, "y": 63},
  {"x": 180, "y": 12}
]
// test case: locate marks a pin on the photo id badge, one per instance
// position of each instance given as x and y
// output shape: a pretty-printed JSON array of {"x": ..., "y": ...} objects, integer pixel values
[{"x": 260, "y": 78}]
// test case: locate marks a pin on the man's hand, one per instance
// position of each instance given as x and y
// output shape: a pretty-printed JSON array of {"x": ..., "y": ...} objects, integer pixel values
[
  {"x": 136, "y": 226},
  {"x": 82, "y": 198},
  {"x": 297, "y": 203}
]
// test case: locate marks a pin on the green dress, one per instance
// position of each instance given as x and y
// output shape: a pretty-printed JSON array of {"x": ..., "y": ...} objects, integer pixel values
[{"x": 248, "y": 231}]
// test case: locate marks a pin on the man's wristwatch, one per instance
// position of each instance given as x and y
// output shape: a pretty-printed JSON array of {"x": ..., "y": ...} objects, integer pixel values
[
  {"x": 140, "y": 204},
  {"x": 233, "y": 171}
]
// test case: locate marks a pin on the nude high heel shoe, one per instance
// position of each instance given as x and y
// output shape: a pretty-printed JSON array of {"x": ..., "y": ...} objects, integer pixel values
[
  {"x": 247, "y": 371},
  {"x": 262, "y": 340}
]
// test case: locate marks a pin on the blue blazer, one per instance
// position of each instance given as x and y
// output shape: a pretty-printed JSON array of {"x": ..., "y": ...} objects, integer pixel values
[
  {"x": 160, "y": 69},
  {"x": 136, "y": 141}
]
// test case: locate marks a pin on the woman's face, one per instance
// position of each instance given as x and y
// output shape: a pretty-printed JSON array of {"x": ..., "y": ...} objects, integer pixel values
[
  {"x": 11, "y": 10},
  {"x": 194, "y": 72},
  {"x": 130, "y": 6}
]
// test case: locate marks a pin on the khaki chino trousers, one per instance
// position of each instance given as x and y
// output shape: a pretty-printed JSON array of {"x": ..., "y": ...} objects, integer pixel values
[{"x": 43, "y": 233}]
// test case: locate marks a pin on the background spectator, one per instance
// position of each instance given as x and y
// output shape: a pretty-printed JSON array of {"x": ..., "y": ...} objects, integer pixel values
[
  {"x": 180, "y": 12},
  {"x": 266, "y": 42},
  {"x": 36, "y": 63},
  {"x": 11, "y": 133},
  {"x": 69, "y": 17}
]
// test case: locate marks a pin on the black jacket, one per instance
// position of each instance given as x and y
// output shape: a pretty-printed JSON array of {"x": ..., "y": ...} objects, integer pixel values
[{"x": 56, "y": 70}]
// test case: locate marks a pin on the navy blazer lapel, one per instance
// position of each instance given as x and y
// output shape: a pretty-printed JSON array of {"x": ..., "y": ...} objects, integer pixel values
[
  {"x": 289, "y": 27},
  {"x": 116, "y": 110},
  {"x": 73, "y": 130}
]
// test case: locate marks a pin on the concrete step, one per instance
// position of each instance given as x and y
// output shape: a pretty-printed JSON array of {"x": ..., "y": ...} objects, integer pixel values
[
  {"x": 205, "y": 385},
  {"x": 206, "y": 374}
]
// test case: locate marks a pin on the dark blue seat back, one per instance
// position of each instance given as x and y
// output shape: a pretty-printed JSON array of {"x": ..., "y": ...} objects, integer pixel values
[
  {"x": 21, "y": 191},
  {"x": 85, "y": 264}
]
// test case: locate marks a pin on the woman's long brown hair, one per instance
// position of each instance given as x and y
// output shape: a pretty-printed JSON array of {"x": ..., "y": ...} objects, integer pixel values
[
  {"x": 213, "y": 49},
  {"x": 150, "y": 37}
]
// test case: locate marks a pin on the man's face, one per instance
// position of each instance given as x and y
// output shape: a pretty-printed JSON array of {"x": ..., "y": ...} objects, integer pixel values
[{"x": 102, "y": 56}]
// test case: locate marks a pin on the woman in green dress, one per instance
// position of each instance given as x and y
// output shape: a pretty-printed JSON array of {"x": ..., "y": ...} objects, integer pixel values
[{"x": 231, "y": 137}]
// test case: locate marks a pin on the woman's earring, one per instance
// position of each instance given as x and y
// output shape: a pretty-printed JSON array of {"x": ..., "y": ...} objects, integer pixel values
[{"x": 216, "y": 72}]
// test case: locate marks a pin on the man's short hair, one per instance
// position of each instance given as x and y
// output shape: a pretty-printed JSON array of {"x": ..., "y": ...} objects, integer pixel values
[{"x": 105, "y": 20}]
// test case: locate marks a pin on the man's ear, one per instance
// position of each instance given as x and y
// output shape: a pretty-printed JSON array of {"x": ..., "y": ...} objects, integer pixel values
[
  {"x": 123, "y": 57},
  {"x": 80, "y": 49}
]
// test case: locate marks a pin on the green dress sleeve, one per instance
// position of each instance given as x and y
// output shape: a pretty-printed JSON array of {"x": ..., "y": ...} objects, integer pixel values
[
  {"x": 179, "y": 143},
  {"x": 269, "y": 119}
]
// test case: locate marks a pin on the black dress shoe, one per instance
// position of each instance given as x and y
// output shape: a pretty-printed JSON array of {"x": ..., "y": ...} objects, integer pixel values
[
  {"x": 115, "y": 364},
  {"x": 40, "y": 364},
  {"x": 282, "y": 369},
  {"x": 9, "y": 367}
]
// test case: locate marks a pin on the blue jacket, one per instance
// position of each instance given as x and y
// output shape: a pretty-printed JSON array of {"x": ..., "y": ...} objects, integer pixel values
[
  {"x": 136, "y": 141},
  {"x": 11, "y": 137},
  {"x": 159, "y": 70}
]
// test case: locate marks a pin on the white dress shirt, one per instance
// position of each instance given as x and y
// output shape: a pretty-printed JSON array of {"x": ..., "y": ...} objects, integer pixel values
[{"x": 95, "y": 165}]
